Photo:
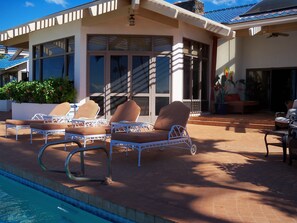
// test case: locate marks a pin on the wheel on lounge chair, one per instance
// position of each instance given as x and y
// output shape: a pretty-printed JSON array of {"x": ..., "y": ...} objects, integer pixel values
[{"x": 193, "y": 149}]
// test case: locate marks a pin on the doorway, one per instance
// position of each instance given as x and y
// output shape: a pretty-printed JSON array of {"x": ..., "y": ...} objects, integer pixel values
[{"x": 271, "y": 87}]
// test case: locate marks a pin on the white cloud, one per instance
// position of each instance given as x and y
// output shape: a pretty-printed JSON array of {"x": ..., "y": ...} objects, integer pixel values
[
  {"x": 58, "y": 2},
  {"x": 29, "y": 4}
]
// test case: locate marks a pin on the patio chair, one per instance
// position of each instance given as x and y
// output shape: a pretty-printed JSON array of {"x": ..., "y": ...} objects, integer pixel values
[
  {"x": 168, "y": 130},
  {"x": 58, "y": 114},
  {"x": 282, "y": 120},
  {"x": 128, "y": 111},
  {"x": 87, "y": 112}
]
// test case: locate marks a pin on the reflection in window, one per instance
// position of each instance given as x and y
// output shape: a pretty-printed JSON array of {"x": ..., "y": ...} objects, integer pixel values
[
  {"x": 53, "y": 48},
  {"x": 115, "y": 101},
  {"x": 160, "y": 103},
  {"x": 119, "y": 74},
  {"x": 36, "y": 70},
  {"x": 143, "y": 103},
  {"x": 53, "y": 67},
  {"x": 140, "y": 74},
  {"x": 97, "y": 43},
  {"x": 187, "y": 81},
  {"x": 118, "y": 43},
  {"x": 162, "y": 74},
  {"x": 70, "y": 64},
  {"x": 96, "y": 74},
  {"x": 54, "y": 59}
]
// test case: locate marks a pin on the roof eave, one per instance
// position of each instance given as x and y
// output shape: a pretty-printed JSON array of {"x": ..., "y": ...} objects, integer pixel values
[{"x": 263, "y": 22}]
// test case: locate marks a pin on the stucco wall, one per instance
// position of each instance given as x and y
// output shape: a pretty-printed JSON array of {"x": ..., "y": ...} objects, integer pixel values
[{"x": 117, "y": 23}]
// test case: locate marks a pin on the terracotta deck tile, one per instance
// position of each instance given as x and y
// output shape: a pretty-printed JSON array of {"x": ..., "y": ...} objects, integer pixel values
[{"x": 229, "y": 180}]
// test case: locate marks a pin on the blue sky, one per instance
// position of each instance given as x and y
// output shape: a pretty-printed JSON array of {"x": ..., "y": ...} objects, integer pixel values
[{"x": 17, "y": 12}]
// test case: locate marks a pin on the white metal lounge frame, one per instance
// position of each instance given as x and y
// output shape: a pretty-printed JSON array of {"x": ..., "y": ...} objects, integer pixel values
[
  {"x": 177, "y": 135},
  {"x": 37, "y": 116},
  {"x": 88, "y": 123},
  {"x": 86, "y": 138}
]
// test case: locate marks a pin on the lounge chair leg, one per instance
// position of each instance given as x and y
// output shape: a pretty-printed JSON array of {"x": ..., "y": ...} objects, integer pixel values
[
  {"x": 31, "y": 137},
  {"x": 110, "y": 151},
  {"x": 16, "y": 134},
  {"x": 6, "y": 132},
  {"x": 139, "y": 157}
]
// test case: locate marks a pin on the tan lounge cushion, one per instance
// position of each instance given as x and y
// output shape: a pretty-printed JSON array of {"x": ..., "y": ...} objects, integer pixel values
[
  {"x": 141, "y": 137},
  {"x": 49, "y": 126},
  {"x": 128, "y": 111},
  {"x": 22, "y": 122},
  {"x": 89, "y": 109},
  {"x": 175, "y": 113},
  {"x": 89, "y": 130},
  {"x": 61, "y": 109}
]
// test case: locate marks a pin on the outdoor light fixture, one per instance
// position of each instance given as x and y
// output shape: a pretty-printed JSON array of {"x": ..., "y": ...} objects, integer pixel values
[{"x": 131, "y": 20}]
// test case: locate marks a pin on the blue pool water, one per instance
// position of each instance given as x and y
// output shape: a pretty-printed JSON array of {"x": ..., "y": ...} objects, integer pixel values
[{"x": 23, "y": 204}]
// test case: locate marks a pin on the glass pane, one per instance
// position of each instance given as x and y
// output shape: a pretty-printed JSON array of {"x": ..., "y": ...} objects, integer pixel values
[
  {"x": 205, "y": 51},
  {"x": 204, "y": 81},
  {"x": 70, "y": 67},
  {"x": 140, "y": 44},
  {"x": 115, "y": 101},
  {"x": 119, "y": 43},
  {"x": 162, "y": 74},
  {"x": 70, "y": 45},
  {"x": 54, "y": 48},
  {"x": 96, "y": 74},
  {"x": 195, "y": 48},
  {"x": 36, "y": 51},
  {"x": 140, "y": 74},
  {"x": 53, "y": 67},
  {"x": 162, "y": 43},
  {"x": 100, "y": 101},
  {"x": 161, "y": 102},
  {"x": 97, "y": 43},
  {"x": 187, "y": 78},
  {"x": 143, "y": 103},
  {"x": 36, "y": 70},
  {"x": 118, "y": 74},
  {"x": 187, "y": 46},
  {"x": 195, "y": 78}
]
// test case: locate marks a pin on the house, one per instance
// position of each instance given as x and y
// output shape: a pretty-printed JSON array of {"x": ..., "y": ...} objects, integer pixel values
[
  {"x": 13, "y": 65},
  {"x": 263, "y": 53},
  {"x": 148, "y": 50}
]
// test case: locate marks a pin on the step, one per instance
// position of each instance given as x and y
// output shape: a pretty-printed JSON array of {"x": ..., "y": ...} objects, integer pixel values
[{"x": 233, "y": 123}]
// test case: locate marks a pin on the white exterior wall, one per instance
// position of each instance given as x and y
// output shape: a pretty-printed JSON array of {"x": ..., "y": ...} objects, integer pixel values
[{"x": 244, "y": 53}]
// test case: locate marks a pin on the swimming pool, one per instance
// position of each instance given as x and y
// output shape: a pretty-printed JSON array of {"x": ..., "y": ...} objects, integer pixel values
[{"x": 21, "y": 203}]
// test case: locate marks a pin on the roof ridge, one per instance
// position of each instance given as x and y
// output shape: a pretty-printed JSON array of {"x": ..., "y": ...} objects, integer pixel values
[{"x": 234, "y": 7}]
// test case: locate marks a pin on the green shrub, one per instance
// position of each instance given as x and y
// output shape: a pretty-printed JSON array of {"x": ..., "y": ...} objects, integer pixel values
[
  {"x": 56, "y": 90},
  {"x": 3, "y": 94}
]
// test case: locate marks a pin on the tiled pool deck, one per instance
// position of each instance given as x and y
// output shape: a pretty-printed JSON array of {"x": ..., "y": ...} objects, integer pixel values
[{"x": 229, "y": 180}]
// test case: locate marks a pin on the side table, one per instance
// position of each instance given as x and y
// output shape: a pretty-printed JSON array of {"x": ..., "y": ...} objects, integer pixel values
[{"x": 283, "y": 134}]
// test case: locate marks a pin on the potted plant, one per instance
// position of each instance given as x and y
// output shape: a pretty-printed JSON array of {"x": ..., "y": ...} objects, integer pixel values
[
  {"x": 5, "y": 102},
  {"x": 221, "y": 87},
  {"x": 32, "y": 97}
]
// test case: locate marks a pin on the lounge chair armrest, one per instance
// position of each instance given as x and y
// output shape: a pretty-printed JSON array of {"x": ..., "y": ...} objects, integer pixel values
[
  {"x": 178, "y": 131},
  {"x": 87, "y": 122},
  {"x": 127, "y": 126},
  {"x": 280, "y": 114},
  {"x": 54, "y": 118},
  {"x": 38, "y": 116}
]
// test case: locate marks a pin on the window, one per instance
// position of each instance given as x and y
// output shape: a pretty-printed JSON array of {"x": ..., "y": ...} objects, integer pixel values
[{"x": 54, "y": 59}]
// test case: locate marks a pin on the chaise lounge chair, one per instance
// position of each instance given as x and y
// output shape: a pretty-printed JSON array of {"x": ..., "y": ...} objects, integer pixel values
[
  {"x": 58, "y": 114},
  {"x": 169, "y": 129},
  {"x": 128, "y": 111},
  {"x": 282, "y": 120},
  {"x": 86, "y": 112}
]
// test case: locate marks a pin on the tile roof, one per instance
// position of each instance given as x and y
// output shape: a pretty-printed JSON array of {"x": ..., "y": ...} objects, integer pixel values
[
  {"x": 6, "y": 63},
  {"x": 232, "y": 15}
]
